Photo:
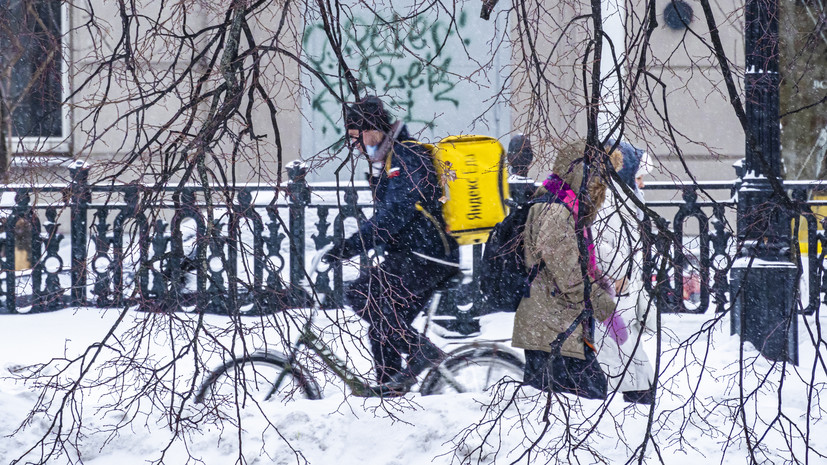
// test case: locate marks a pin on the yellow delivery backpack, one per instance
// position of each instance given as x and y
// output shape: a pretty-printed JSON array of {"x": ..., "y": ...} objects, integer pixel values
[{"x": 474, "y": 179}]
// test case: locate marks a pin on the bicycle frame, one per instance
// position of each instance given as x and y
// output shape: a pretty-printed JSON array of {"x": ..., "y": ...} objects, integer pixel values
[
  {"x": 470, "y": 354},
  {"x": 357, "y": 384},
  {"x": 308, "y": 338}
]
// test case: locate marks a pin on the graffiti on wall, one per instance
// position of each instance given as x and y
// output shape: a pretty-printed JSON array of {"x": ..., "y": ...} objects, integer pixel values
[{"x": 415, "y": 64}]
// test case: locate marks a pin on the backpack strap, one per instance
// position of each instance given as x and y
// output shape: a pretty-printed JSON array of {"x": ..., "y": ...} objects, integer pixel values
[
  {"x": 584, "y": 319},
  {"x": 535, "y": 270},
  {"x": 532, "y": 273},
  {"x": 439, "y": 227}
]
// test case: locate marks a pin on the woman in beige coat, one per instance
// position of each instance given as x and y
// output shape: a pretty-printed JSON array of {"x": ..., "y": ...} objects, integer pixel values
[{"x": 556, "y": 297}]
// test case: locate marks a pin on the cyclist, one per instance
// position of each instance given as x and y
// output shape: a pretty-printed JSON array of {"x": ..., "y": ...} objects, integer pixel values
[{"x": 418, "y": 254}]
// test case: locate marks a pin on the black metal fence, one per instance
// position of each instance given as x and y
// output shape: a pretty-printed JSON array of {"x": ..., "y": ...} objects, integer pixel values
[
  {"x": 245, "y": 249},
  {"x": 707, "y": 254},
  {"x": 675, "y": 259}
]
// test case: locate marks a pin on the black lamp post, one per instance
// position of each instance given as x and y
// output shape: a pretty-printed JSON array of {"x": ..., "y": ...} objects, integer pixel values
[{"x": 763, "y": 276}]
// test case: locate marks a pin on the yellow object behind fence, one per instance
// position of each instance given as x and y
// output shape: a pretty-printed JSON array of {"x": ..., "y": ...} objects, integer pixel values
[
  {"x": 820, "y": 212},
  {"x": 472, "y": 172},
  {"x": 22, "y": 245}
]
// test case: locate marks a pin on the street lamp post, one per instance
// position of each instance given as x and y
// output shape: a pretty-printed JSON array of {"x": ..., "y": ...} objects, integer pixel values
[{"x": 763, "y": 276}]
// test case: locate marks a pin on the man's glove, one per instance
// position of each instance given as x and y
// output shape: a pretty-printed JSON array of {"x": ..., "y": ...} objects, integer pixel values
[{"x": 332, "y": 253}]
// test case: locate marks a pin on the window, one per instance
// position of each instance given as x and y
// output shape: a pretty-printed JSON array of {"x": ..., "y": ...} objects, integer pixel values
[
  {"x": 802, "y": 56},
  {"x": 31, "y": 33}
]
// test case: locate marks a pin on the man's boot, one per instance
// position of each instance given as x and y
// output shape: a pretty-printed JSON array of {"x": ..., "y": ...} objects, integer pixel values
[{"x": 425, "y": 355}]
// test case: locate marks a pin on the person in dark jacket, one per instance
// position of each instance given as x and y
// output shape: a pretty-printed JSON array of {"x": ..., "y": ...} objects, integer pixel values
[
  {"x": 520, "y": 156},
  {"x": 418, "y": 254}
]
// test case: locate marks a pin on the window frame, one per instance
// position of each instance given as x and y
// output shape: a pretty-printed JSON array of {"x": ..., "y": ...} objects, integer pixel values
[{"x": 52, "y": 145}]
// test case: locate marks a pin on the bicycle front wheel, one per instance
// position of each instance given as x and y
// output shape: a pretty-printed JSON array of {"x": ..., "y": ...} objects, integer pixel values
[
  {"x": 474, "y": 368},
  {"x": 255, "y": 378}
]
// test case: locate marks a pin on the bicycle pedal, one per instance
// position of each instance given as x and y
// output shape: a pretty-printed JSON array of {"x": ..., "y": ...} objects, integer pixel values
[{"x": 461, "y": 327}]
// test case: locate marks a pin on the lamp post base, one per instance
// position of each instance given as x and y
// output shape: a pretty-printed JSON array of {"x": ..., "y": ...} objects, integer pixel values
[{"x": 763, "y": 311}]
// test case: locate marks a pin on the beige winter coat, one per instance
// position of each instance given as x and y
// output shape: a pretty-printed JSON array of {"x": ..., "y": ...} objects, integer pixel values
[{"x": 550, "y": 236}]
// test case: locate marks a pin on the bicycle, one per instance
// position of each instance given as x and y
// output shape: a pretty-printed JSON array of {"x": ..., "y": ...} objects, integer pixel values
[{"x": 471, "y": 366}]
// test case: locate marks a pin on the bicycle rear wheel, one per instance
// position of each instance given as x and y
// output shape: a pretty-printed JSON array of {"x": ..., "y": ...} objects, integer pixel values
[
  {"x": 473, "y": 368},
  {"x": 258, "y": 377}
]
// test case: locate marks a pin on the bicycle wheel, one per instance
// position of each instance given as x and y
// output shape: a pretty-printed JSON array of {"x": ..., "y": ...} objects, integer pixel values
[
  {"x": 257, "y": 377},
  {"x": 473, "y": 369}
]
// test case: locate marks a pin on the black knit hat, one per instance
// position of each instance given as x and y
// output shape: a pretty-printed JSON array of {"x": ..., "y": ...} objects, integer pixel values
[{"x": 367, "y": 114}]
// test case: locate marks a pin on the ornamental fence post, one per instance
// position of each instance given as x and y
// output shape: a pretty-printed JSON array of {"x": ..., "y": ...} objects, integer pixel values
[{"x": 79, "y": 198}]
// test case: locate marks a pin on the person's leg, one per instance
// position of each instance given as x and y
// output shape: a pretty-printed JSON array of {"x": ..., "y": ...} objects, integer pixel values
[
  {"x": 646, "y": 397},
  {"x": 536, "y": 371},
  {"x": 388, "y": 298},
  {"x": 412, "y": 281},
  {"x": 364, "y": 296},
  {"x": 638, "y": 372}
]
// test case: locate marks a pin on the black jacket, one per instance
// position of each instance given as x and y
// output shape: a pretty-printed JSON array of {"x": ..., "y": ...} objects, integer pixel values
[{"x": 407, "y": 216}]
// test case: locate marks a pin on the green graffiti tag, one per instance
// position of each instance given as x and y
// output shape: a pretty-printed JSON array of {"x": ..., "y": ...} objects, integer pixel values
[{"x": 396, "y": 58}]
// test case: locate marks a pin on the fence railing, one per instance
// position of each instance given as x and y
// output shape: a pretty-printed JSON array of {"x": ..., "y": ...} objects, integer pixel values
[
  {"x": 709, "y": 252},
  {"x": 245, "y": 249},
  {"x": 674, "y": 259}
]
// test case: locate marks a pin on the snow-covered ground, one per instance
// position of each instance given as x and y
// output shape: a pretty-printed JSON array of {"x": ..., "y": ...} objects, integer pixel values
[{"x": 696, "y": 419}]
